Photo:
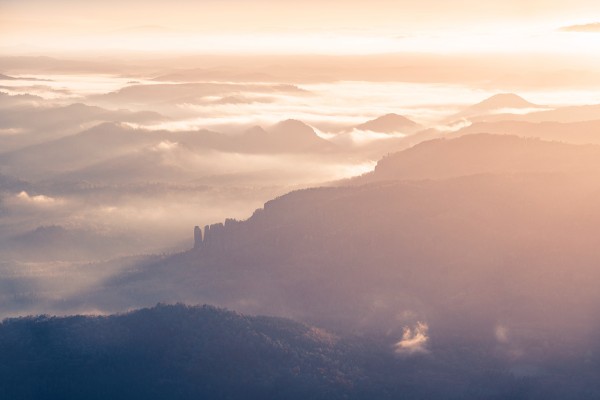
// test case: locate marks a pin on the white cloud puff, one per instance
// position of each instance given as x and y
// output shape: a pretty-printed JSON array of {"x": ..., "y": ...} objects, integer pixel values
[
  {"x": 501, "y": 333},
  {"x": 40, "y": 200},
  {"x": 414, "y": 340},
  {"x": 165, "y": 145}
]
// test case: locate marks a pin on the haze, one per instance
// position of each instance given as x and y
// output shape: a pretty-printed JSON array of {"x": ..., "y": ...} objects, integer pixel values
[
  {"x": 329, "y": 27},
  {"x": 408, "y": 190}
]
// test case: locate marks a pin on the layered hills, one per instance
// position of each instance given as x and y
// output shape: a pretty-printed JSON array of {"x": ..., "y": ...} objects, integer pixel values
[{"x": 442, "y": 233}]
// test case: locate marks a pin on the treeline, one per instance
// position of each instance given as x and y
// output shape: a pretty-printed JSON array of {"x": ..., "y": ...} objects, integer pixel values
[{"x": 181, "y": 352}]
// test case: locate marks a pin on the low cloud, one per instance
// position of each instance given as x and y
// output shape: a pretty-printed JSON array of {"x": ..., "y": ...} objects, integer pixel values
[
  {"x": 520, "y": 111},
  {"x": 11, "y": 131},
  {"x": 365, "y": 136},
  {"x": 165, "y": 145},
  {"x": 40, "y": 199},
  {"x": 591, "y": 27},
  {"x": 414, "y": 340},
  {"x": 501, "y": 333},
  {"x": 454, "y": 126}
]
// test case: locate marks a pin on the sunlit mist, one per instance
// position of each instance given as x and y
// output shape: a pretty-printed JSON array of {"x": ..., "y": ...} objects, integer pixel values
[{"x": 261, "y": 199}]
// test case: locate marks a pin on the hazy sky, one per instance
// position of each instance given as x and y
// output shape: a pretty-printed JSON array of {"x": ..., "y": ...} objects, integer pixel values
[{"x": 351, "y": 26}]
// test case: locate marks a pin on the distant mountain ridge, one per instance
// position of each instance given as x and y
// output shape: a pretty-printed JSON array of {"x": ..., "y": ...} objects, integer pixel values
[
  {"x": 484, "y": 153},
  {"x": 567, "y": 114},
  {"x": 584, "y": 132},
  {"x": 14, "y": 78},
  {"x": 503, "y": 100},
  {"x": 497, "y": 103},
  {"x": 389, "y": 123},
  {"x": 95, "y": 146}
]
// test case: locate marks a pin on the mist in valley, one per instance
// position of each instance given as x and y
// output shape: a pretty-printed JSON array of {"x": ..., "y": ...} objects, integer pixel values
[{"x": 411, "y": 216}]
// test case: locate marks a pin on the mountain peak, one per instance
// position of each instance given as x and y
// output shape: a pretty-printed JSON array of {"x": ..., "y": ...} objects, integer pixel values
[
  {"x": 255, "y": 130},
  {"x": 388, "y": 123},
  {"x": 293, "y": 128},
  {"x": 505, "y": 100},
  {"x": 292, "y": 124},
  {"x": 296, "y": 134},
  {"x": 498, "y": 103}
]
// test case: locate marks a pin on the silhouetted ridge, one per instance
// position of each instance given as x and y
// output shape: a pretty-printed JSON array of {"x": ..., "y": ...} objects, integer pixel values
[
  {"x": 502, "y": 102},
  {"x": 4, "y": 77},
  {"x": 585, "y": 132},
  {"x": 296, "y": 132},
  {"x": 289, "y": 136},
  {"x": 403, "y": 240},
  {"x": 180, "y": 352},
  {"x": 174, "y": 352},
  {"x": 484, "y": 153}
]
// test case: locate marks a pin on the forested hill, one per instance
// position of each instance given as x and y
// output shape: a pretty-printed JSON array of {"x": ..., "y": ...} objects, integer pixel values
[{"x": 181, "y": 352}]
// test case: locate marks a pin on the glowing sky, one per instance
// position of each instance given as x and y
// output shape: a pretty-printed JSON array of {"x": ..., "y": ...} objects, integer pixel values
[{"x": 310, "y": 26}]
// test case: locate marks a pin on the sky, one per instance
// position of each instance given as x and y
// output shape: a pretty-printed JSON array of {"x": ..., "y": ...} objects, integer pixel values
[{"x": 310, "y": 26}]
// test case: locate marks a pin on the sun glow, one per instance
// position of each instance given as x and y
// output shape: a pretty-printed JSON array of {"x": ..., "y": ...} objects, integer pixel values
[{"x": 315, "y": 42}]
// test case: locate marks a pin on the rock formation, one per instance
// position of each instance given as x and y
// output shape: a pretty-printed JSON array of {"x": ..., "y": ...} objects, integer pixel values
[{"x": 197, "y": 237}]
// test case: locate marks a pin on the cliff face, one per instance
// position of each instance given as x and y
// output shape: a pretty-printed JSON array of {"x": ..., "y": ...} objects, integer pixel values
[{"x": 465, "y": 254}]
